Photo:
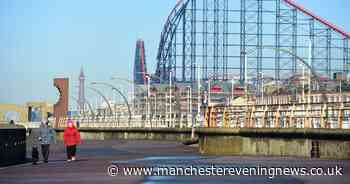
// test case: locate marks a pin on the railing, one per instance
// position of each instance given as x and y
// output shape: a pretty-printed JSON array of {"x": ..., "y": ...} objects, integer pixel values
[
  {"x": 235, "y": 117},
  {"x": 330, "y": 111},
  {"x": 123, "y": 122}
]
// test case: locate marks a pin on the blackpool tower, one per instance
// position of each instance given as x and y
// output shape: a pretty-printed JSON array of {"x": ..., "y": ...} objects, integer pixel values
[{"x": 81, "y": 98}]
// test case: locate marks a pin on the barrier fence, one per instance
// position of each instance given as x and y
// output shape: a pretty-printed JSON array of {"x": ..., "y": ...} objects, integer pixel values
[{"x": 332, "y": 116}]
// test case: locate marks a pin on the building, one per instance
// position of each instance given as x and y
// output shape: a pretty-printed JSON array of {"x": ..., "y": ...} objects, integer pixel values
[
  {"x": 140, "y": 68},
  {"x": 81, "y": 97},
  {"x": 30, "y": 112}
]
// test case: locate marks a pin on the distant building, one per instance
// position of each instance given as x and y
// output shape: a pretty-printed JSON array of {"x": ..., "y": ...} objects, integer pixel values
[
  {"x": 140, "y": 69},
  {"x": 81, "y": 99},
  {"x": 31, "y": 111}
]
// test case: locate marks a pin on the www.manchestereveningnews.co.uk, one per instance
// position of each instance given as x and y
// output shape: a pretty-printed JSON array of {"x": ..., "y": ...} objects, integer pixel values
[{"x": 270, "y": 172}]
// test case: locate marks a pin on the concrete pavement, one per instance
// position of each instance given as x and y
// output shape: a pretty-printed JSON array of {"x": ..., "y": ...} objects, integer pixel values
[{"x": 95, "y": 156}]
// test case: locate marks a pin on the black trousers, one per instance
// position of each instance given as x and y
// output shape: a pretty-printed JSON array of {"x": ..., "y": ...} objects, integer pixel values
[
  {"x": 35, "y": 155},
  {"x": 45, "y": 150},
  {"x": 71, "y": 150}
]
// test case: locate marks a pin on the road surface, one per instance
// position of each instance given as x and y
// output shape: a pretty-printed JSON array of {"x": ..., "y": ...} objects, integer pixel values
[{"x": 94, "y": 157}]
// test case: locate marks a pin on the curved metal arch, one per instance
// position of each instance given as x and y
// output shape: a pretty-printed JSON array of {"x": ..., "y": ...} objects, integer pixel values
[
  {"x": 168, "y": 27},
  {"x": 77, "y": 101},
  {"x": 90, "y": 107},
  {"x": 313, "y": 72},
  {"x": 167, "y": 36},
  {"x": 121, "y": 94},
  {"x": 128, "y": 81},
  {"x": 173, "y": 23},
  {"x": 88, "y": 103},
  {"x": 103, "y": 96}
]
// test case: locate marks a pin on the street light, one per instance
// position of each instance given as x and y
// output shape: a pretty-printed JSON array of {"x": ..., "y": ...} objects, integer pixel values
[
  {"x": 148, "y": 78},
  {"x": 310, "y": 63},
  {"x": 88, "y": 103},
  {"x": 262, "y": 86},
  {"x": 148, "y": 99},
  {"x": 129, "y": 81},
  {"x": 155, "y": 108},
  {"x": 134, "y": 89},
  {"x": 104, "y": 98},
  {"x": 198, "y": 103},
  {"x": 170, "y": 99},
  {"x": 121, "y": 94},
  {"x": 209, "y": 92},
  {"x": 189, "y": 99},
  {"x": 77, "y": 101},
  {"x": 232, "y": 89}
]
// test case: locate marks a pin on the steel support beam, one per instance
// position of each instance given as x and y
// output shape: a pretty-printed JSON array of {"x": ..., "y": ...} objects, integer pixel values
[{"x": 243, "y": 51}]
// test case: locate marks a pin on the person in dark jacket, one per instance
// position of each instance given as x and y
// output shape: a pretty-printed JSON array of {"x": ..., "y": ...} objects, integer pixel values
[
  {"x": 35, "y": 155},
  {"x": 47, "y": 136},
  {"x": 71, "y": 138}
]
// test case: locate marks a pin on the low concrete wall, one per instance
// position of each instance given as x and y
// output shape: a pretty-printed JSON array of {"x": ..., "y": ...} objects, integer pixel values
[
  {"x": 327, "y": 144},
  {"x": 12, "y": 145},
  {"x": 331, "y": 144},
  {"x": 132, "y": 134}
]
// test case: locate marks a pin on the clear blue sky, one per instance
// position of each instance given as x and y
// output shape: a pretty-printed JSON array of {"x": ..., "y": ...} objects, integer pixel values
[{"x": 44, "y": 39}]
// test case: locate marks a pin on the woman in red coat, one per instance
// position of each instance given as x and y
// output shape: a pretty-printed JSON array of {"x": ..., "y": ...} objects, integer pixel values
[{"x": 71, "y": 138}]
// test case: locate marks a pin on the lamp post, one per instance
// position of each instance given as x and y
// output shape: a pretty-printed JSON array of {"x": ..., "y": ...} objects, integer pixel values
[
  {"x": 134, "y": 90},
  {"x": 104, "y": 98},
  {"x": 88, "y": 103},
  {"x": 246, "y": 81},
  {"x": 155, "y": 108},
  {"x": 189, "y": 103},
  {"x": 232, "y": 89},
  {"x": 170, "y": 99},
  {"x": 148, "y": 100},
  {"x": 262, "y": 86},
  {"x": 246, "y": 74},
  {"x": 128, "y": 81},
  {"x": 309, "y": 77},
  {"x": 148, "y": 78},
  {"x": 198, "y": 99},
  {"x": 303, "y": 84},
  {"x": 209, "y": 91},
  {"x": 80, "y": 112},
  {"x": 89, "y": 106},
  {"x": 198, "y": 117},
  {"x": 121, "y": 94}
]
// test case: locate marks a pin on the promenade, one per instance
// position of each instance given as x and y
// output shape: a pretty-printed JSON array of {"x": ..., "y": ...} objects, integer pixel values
[
  {"x": 95, "y": 156},
  {"x": 93, "y": 160}
]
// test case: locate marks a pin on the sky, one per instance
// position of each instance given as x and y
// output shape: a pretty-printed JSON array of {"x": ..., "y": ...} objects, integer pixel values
[{"x": 44, "y": 39}]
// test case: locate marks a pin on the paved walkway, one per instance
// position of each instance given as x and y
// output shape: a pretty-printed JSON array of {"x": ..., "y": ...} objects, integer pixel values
[
  {"x": 95, "y": 156},
  {"x": 93, "y": 159}
]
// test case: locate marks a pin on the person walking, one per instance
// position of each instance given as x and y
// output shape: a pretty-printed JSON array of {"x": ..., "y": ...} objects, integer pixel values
[
  {"x": 71, "y": 138},
  {"x": 47, "y": 136},
  {"x": 12, "y": 122}
]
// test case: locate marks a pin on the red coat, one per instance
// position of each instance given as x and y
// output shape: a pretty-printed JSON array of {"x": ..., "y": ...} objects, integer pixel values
[{"x": 71, "y": 136}]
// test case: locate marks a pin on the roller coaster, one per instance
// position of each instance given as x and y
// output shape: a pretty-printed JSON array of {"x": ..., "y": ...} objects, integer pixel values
[{"x": 249, "y": 39}]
